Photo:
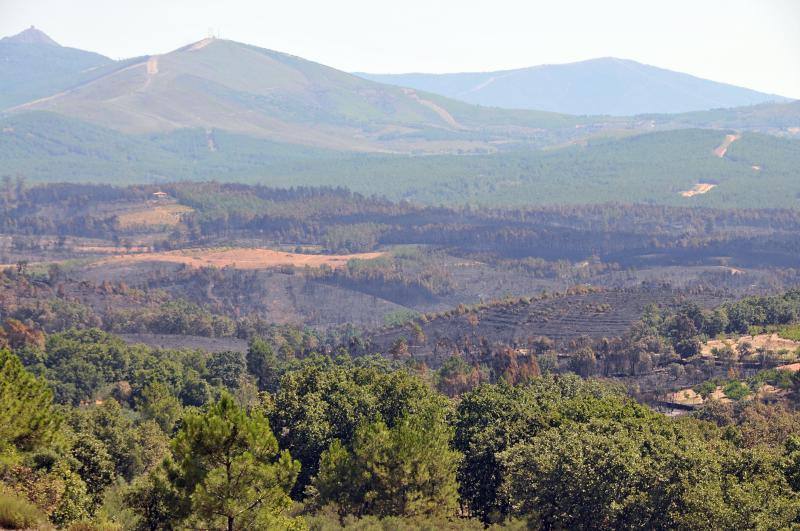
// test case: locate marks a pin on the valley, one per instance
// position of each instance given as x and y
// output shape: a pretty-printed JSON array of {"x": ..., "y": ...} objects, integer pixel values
[{"x": 244, "y": 290}]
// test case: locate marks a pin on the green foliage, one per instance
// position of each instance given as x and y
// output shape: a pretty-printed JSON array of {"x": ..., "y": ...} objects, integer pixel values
[
  {"x": 763, "y": 311},
  {"x": 408, "y": 469},
  {"x": 324, "y": 401},
  {"x": 328, "y": 520},
  {"x": 18, "y": 513},
  {"x": 95, "y": 466},
  {"x": 736, "y": 390},
  {"x": 262, "y": 363},
  {"x": 229, "y": 469},
  {"x": 80, "y": 364},
  {"x": 399, "y": 317},
  {"x": 646, "y": 168},
  {"x": 493, "y": 418},
  {"x": 157, "y": 403},
  {"x": 635, "y": 473},
  {"x": 27, "y": 417},
  {"x": 791, "y": 332},
  {"x": 173, "y": 317},
  {"x": 226, "y": 369}
]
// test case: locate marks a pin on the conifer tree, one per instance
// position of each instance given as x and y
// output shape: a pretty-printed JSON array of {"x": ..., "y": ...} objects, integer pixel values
[
  {"x": 228, "y": 467},
  {"x": 408, "y": 469},
  {"x": 27, "y": 417}
]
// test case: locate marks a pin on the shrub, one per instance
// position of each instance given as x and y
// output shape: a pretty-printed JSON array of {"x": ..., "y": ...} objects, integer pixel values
[{"x": 18, "y": 513}]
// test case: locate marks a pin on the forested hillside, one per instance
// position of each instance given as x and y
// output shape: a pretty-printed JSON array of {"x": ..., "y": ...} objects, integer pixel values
[{"x": 756, "y": 171}]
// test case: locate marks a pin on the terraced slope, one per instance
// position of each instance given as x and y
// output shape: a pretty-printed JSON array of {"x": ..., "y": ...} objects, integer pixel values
[{"x": 560, "y": 318}]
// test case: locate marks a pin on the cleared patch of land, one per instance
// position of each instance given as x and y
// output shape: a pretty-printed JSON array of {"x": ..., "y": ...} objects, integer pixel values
[
  {"x": 699, "y": 188},
  {"x": 689, "y": 398},
  {"x": 769, "y": 342},
  {"x": 153, "y": 216},
  {"x": 241, "y": 258}
]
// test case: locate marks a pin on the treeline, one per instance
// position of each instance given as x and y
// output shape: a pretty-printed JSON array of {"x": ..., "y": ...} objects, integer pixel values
[
  {"x": 96, "y": 434},
  {"x": 343, "y": 221}
]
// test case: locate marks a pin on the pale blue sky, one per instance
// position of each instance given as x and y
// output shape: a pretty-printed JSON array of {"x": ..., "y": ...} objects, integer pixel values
[{"x": 753, "y": 43}]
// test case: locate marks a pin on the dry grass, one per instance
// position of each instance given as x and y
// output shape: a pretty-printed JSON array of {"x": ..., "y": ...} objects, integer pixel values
[
  {"x": 153, "y": 215},
  {"x": 685, "y": 397},
  {"x": 240, "y": 258}
]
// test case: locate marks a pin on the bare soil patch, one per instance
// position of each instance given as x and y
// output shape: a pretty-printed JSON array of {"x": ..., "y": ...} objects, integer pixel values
[
  {"x": 152, "y": 65},
  {"x": 240, "y": 258},
  {"x": 723, "y": 148},
  {"x": 699, "y": 188},
  {"x": 769, "y": 342}
]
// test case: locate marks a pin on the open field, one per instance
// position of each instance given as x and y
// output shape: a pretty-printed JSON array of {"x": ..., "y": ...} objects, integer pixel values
[
  {"x": 153, "y": 215},
  {"x": 245, "y": 258}
]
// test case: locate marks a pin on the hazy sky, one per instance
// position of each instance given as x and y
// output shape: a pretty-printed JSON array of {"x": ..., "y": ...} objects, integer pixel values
[{"x": 753, "y": 43}]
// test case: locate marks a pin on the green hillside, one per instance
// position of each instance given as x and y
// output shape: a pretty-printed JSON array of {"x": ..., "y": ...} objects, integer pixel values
[
  {"x": 776, "y": 118},
  {"x": 243, "y": 89},
  {"x": 652, "y": 168}
]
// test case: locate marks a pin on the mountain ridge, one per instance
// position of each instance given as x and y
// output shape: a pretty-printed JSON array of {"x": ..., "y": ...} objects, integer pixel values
[
  {"x": 216, "y": 83},
  {"x": 31, "y": 35},
  {"x": 599, "y": 86}
]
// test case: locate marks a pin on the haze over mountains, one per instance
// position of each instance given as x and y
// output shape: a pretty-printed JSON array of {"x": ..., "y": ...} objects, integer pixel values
[
  {"x": 606, "y": 85},
  {"x": 219, "y": 109}
]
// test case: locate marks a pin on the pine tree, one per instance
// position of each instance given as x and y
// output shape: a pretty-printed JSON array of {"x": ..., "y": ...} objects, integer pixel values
[
  {"x": 228, "y": 465},
  {"x": 406, "y": 470},
  {"x": 27, "y": 416}
]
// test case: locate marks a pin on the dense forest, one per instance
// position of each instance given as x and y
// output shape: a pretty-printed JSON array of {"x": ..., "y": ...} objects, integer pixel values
[
  {"x": 97, "y": 434},
  {"x": 653, "y": 168}
]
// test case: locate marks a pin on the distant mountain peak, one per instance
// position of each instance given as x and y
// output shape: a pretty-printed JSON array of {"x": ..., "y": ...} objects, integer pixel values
[
  {"x": 601, "y": 86},
  {"x": 31, "y": 36}
]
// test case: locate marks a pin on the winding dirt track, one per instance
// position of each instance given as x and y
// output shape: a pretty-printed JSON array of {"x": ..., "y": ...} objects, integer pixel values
[
  {"x": 723, "y": 148},
  {"x": 442, "y": 112}
]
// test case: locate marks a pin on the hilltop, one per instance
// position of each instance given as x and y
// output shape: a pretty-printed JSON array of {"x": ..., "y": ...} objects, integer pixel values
[
  {"x": 608, "y": 85},
  {"x": 30, "y": 36},
  {"x": 33, "y": 65}
]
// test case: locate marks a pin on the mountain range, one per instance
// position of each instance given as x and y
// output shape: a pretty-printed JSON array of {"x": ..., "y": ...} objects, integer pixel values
[
  {"x": 219, "y": 109},
  {"x": 607, "y": 85}
]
